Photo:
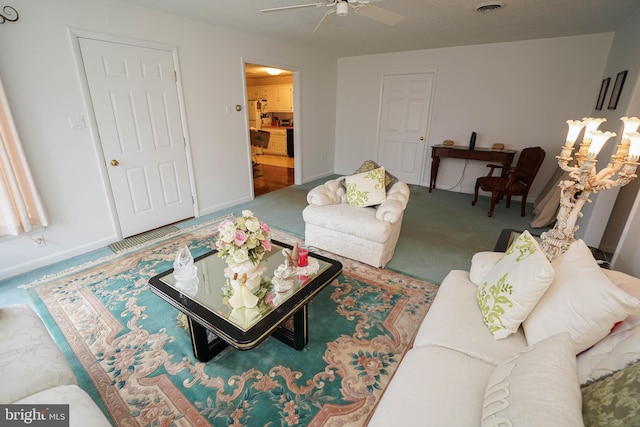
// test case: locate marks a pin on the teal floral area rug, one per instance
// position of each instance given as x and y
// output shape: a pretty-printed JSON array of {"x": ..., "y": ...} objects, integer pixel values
[{"x": 132, "y": 352}]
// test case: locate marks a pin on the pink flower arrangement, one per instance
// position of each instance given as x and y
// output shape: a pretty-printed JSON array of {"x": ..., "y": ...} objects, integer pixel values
[{"x": 245, "y": 239}]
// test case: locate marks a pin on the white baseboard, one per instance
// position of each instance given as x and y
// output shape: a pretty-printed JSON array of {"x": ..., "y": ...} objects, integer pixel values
[{"x": 55, "y": 258}]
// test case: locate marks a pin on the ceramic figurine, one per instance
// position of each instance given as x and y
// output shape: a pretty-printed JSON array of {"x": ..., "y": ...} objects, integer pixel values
[
  {"x": 185, "y": 272},
  {"x": 282, "y": 277},
  {"x": 243, "y": 297},
  {"x": 291, "y": 256}
]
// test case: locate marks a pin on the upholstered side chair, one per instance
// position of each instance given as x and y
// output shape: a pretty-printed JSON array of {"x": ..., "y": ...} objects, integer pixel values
[
  {"x": 516, "y": 182},
  {"x": 366, "y": 234}
]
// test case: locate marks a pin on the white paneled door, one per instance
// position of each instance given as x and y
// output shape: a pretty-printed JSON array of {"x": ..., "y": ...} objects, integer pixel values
[
  {"x": 406, "y": 99},
  {"x": 135, "y": 100}
]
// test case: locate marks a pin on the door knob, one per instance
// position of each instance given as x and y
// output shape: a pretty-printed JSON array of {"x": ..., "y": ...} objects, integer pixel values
[
  {"x": 114, "y": 162},
  {"x": 422, "y": 138}
]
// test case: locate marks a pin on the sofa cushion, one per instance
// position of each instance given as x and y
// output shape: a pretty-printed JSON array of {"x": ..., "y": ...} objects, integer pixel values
[
  {"x": 351, "y": 221},
  {"x": 435, "y": 387},
  {"x": 613, "y": 400},
  {"x": 536, "y": 387},
  {"x": 454, "y": 321},
  {"x": 514, "y": 285},
  {"x": 612, "y": 353},
  {"x": 581, "y": 300},
  {"x": 82, "y": 409},
  {"x": 366, "y": 188},
  {"x": 29, "y": 359},
  {"x": 621, "y": 346}
]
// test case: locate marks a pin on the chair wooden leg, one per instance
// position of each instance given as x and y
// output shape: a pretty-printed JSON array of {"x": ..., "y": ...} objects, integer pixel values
[
  {"x": 524, "y": 206},
  {"x": 494, "y": 199},
  {"x": 508, "y": 201},
  {"x": 475, "y": 194}
]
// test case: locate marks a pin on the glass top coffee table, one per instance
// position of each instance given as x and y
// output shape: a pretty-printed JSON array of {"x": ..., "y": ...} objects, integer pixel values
[{"x": 205, "y": 303}]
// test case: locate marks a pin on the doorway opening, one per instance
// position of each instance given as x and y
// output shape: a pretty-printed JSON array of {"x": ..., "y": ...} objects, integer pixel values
[{"x": 271, "y": 123}]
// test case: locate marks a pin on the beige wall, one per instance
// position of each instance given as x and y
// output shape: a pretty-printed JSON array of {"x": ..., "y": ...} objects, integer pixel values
[
  {"x": 44, "y": 86},
  {"x": 623, "y": 56},
  {"x": 518, "y": 93}
]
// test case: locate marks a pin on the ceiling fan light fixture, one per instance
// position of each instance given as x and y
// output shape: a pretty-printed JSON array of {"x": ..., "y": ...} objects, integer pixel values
[
  {"x": 273, "y": 71},
  {"x": 342, "y": 8},
  {"x": 489, "y": 6}
]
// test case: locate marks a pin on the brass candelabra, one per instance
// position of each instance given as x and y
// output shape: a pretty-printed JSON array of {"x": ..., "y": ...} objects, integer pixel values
[{"x": 584, "y": 179}]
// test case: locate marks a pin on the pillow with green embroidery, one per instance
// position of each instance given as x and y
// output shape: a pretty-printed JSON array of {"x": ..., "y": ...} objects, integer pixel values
[
  {"x": 514, "y": 285},
  {"x": 613, "y": 400},
  {"x": 368, "y": 165},
  {"x": 366, "y": 188}
]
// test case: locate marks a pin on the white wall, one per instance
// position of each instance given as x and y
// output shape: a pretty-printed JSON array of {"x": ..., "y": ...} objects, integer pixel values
[
  {"x": 44, "y": 89},
  {"x": 627, "y": 249},
  {"x": 623, "y": 56},
  {"x": 518, "y": 93}
]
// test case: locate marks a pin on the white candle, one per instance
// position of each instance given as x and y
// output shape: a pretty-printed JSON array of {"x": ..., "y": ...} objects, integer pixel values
[
  {"x": 575, "y": 126},
  {"x": 598, "y": 138},
  {"x": 630, "y": 124},
  {"x": 592, "y": 124},
  {"x": 634, "y": 149}
]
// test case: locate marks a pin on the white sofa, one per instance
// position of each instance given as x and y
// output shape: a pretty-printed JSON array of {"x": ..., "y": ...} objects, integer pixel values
[
  {"x": 444, "y": 379},
  {"x": 365, "y": 234},
  {"x": 34, "y": 371}
]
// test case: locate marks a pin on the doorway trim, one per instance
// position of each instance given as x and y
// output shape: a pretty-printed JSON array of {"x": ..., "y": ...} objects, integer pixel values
[
  {"x": 297, "y": 143},
  {"x": 75, "y": 35}
]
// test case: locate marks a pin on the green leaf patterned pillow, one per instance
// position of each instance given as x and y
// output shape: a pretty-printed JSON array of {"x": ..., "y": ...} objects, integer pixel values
[
  {"x": 389, "y": 180},
  {"x": 366, "y": 188},
  {"x": 514, "y": 285},
  {"x": 613, "y": 400}
]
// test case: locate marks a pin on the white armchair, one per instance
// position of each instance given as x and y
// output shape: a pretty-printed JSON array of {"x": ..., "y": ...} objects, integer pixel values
[{"x": 365, "y": 234}]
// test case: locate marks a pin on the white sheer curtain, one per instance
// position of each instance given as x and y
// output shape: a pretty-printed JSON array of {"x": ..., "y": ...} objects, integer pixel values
[{"x": 20, "y": 207}]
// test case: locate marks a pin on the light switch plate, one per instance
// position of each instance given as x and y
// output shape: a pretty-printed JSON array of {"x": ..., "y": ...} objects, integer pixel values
[{"x": 77, "y": 123}]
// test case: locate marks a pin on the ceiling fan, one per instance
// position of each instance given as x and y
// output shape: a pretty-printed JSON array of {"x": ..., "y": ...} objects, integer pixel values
[{"x": 341, "y": 8}]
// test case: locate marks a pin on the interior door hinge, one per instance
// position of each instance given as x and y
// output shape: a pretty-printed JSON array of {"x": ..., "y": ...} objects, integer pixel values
[{"x": 175, "y": 75}]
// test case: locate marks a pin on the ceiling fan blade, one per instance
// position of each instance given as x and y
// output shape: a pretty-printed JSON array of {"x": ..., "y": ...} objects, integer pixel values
[
  {"x": 326, "y": 20},
  {"x": 378, "y": 14},
  {"x": 298, "y": 6}
]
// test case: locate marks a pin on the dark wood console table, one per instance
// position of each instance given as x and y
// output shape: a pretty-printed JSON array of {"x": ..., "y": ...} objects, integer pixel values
[{"x": 505, "y": 157}]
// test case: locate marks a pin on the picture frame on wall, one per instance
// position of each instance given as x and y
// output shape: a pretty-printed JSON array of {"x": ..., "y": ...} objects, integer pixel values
[
  {"x": 617, "y": 90},
  {"x": 603, "y": 93}
]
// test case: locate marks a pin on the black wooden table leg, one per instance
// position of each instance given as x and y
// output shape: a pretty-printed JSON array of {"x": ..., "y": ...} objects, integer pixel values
[
  {"x": 299, "y": 337},
  {"x": 204, "y": 350}
]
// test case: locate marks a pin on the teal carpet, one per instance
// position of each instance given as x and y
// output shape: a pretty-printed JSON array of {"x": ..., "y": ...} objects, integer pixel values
[
  {"x": 131, "y": 350},
  {"x": 441, "y": 231}
]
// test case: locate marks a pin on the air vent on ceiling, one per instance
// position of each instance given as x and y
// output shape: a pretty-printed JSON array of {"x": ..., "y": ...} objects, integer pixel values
[{"x": 485, "y": 7}]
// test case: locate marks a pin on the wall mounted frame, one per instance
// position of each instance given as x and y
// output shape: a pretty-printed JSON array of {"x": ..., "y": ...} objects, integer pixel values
[
  {"x": 603, "y": 93},
  {"x": 617, "y": 90}
]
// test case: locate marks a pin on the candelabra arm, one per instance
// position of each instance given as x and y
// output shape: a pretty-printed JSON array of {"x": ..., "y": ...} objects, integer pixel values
[
  {"x": 565, "y": 167},
  {"x": 605, "y": 174}
]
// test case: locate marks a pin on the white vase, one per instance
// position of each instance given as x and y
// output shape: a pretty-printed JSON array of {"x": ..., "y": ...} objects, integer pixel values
[{"x": 253, "y": 271}]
